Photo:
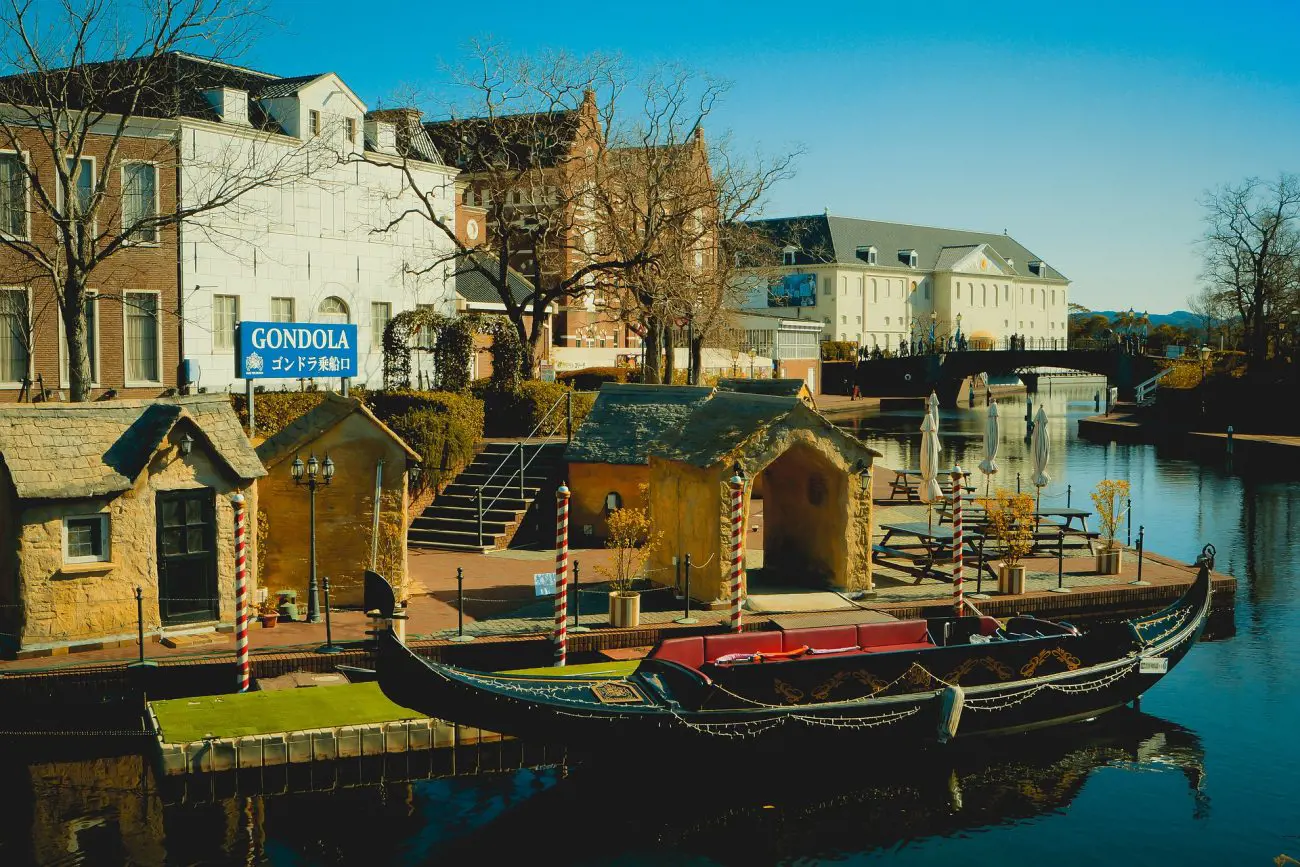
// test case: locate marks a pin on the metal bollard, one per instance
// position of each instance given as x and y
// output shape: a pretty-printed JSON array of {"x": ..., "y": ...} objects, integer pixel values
[
  {"x": 577, "y": 603},
  {"x": 139, "y": 620},
  {"x": 1069, "y": 493},
  {"x": 478, "y": 499},
  {"x": 460, "y": 607},
  {"x": 1096, "y": 401},
  {"x": 1229, "y": 440},
  {"x": 1060, "y": 563},
  {"x": 1141, "y": 536},
  {"x": 686, "y": 617},
  {"x": 1017, "y": 483},
  {"x": 1128, "y": 521}
]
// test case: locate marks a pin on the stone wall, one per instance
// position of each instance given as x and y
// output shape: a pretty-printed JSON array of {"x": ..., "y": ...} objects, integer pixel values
[
  {"x": 343, "y": 515},
  {"x": 589, "y": 484},
  {"x": 88, "y": 603}
]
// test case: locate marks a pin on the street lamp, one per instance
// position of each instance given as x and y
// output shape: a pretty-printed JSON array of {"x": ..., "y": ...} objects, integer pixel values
[
  {"x": 958, "y": 326},
  {"x": 312, "y": 474},
  {"x": 934, "y": 319},
  {"x": 753, "y": 353},
  {"x": 1205, "y": 357}
]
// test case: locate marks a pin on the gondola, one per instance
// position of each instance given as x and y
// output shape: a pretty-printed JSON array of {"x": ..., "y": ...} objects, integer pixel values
[{"x": 905, "y": 682}]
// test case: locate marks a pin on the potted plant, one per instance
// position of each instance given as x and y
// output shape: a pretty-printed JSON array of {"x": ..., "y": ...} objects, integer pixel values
[
  {"x": 1110, "y": 498},
  {"x": 631, "y": 537},
  {"x": 1010, "y": 520},
  {"x": 269, "y": 613}
]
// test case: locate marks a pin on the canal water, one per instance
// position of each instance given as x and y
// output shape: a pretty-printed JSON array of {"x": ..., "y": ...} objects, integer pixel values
[{"x": 1205, "y": 773}]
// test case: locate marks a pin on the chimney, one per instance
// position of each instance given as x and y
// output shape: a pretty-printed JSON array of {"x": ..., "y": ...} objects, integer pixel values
[{"x": 230, "y": 104}]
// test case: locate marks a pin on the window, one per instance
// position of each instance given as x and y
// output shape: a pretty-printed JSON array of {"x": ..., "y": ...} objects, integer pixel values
[
  {"x": 844, "y": 287},
  {"x": 886, "y": 320},
  {"x": 926, "y": 294},
  {"x": 332, "y": 309},
  {"x": 140, "y": 200},
  {"x": 1031, "y": 294},
  {"x": 351, "y": 124},
  {"x": 859, "y": 318},
  {"x": 13, "y": 196},
  {"x": 787, "y": 256},
  {"x": 85, "y": 539},
  {"x": 380, "y": 313},
  {"x": 958, "y": 291},
  {"x": 15, "y": 335},
  {"x": 313, "y": 122},
  {"x": 844, "y": 320},
  {"x": 613, "y": 500},
  {"x": 143, "y": 362},
  {"x": 282, "y": 310},
  {"x": 225, "y": 316},
  {"x": 92, "y": 343}
]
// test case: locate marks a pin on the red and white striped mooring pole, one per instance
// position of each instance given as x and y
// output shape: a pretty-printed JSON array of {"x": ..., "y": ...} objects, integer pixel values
[
  {"x": 561, "y": 636},
  {"x": 958, "y": 599},
  {"x": 737, "y": 545},
  {"x": 241, "y": 593}
]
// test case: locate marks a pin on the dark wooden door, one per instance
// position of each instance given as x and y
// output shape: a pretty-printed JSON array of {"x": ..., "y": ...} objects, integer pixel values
[{"x": 187, "y": 556}]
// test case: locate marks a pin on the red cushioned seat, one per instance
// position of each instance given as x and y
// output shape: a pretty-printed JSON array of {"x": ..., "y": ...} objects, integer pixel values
[
  {"x": 741, "y": 642},
  {"x": 687, "y": 651},
  {"x": 820, "y": 637},
  {"x": 871, "y": 635},
  {"x": 890, "y": 648}
]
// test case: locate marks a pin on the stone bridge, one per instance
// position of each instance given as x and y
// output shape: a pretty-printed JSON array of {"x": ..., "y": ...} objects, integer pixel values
[{"x": 943, "y": 373}]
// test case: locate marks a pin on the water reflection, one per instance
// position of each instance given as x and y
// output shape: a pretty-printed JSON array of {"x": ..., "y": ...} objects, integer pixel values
[{"x": 111, "y": 810}]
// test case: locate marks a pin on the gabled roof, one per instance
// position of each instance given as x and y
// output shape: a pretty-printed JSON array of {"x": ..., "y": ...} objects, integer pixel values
[
  {"x": 317, "y": 421},
  {"x": 286, "y": 86},
  {"x": 824, "y": 239},
  {"x": 475, "y": 288},
  {"x": 70, "y": 450},
  {"x": 626, "y": 421},
  {"x": 728, "y": 421},
  {"x": 517, "y": 141}
]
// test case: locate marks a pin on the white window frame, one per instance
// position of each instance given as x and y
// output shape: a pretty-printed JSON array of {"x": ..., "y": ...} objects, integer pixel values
[
  {"x": 27, "y": 199},
  {"x": 157, "y": 202},
  {"x": 30, "y": 326},
  {"x": 105, "y": 555},
  {"x": 313, "y": 122},
  {"x": 94, "y": 176},
  {"x": 293, "y": 307},
  {"x": 65, "y": 356},
  {"x": 350, "y": 129},
  {"x": 377, "y": 341},
  {"x": 234, "y": 335},
  {"x": 157, "y": 325}
]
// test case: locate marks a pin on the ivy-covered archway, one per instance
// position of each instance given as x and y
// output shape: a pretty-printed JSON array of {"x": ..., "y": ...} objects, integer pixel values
[{"x": 451, "y": 341}]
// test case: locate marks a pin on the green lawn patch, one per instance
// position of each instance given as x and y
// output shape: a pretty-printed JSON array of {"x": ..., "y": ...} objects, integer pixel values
[{"x": 588, "y": 669}]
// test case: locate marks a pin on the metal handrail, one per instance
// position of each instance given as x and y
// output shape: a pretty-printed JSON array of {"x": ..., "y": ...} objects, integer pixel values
[
  {"x": 1149, "y": 386},
  {"x": 566, "y": 398}
]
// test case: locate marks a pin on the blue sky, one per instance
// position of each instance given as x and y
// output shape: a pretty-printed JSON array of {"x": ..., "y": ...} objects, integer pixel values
[{"x": 1087, "y": 131}]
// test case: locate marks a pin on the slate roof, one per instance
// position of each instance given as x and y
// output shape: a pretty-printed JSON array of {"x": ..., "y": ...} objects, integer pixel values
[
  {"x": 475, "y": 288},
  {"x": 67, "y": 450},
  {"x": 513, "y": 141},
  {"x": 823, "y": 239},
  {"x": 626, "y": 421},
  {"x": 317, "y": 421},
  {"x": 789, "y": 387},
  {"x": 730, "y": 419}
]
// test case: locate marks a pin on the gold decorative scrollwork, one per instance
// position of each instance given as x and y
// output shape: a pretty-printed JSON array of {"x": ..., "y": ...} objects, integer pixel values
[
  {"x": 1069, "y": 660},
  {"x": 617, "y": 692},
  {"x": 822, "y": 691},
  {"x": 788, "y": 692},
  {"x": 866, "y": 678},
  {"x": 988, "y": 662}
]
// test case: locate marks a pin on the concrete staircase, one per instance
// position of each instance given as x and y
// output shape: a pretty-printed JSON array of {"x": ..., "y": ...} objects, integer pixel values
[{"x": 451, "y": 521}]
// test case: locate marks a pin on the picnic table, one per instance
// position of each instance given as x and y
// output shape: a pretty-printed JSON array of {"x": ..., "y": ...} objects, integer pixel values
[
  {"x": 908, "y": 483},
  {"x": 934, "y": 542},
  {"x": 975, "y": 515}
]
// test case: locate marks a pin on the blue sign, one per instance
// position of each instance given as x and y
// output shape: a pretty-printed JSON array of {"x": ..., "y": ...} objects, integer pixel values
[
  {"x": 794, "y": 290},
  {"x": 290, "y": 350}
]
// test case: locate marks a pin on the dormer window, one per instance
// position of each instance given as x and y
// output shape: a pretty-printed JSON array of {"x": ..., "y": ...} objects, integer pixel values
[
  {"x": 1039, "y": 267},
  {"x": 787, "y": 255},
  {"x": 907, "y": 257},
  {"x": 867, "y": 254}
]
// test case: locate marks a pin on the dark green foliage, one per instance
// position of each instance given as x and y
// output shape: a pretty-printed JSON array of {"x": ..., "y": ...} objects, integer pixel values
[{"x": 839, "y": 350}]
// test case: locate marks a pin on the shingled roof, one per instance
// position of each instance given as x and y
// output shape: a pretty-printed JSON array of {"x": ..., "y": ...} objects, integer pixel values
[
  {"x": 730, "y": 419},
  {"x": 475, "y": 288},
  {"x": 312, "y": 424},
  {"x": 789, "y": 387},
  {"x": 69, "y": 450},
  {"x": 626, "y": 421}
]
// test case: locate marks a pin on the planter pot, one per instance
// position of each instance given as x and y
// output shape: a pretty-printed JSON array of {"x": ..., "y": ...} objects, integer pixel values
[
  {"x": 1011, "y": 579},
  {"x": 625, "y": 609},
  {"x": 269, "y": 620},
  {"x": 1109, "y": 561}
]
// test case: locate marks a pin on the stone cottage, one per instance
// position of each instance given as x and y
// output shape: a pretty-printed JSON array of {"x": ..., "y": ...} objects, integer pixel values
[
  {"x": 817, "y": 495},
  {"x": 609, "y": 456},
  {"x": 101, "y": 498},
  {"x": 365, "y": 454}
]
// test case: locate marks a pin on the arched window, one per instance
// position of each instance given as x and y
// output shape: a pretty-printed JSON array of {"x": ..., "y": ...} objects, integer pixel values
[
  {"x": 613, "y": 500},
  {"x": 333, "y": 309}
]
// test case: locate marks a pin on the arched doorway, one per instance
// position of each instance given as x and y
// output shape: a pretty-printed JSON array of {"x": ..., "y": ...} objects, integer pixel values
[{"x": 804, "y": 510}]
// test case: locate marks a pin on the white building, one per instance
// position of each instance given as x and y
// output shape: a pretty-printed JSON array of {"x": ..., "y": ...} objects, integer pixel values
[
  {"x": 883, "y": 284},
  {"x": 307, "y": 243}
]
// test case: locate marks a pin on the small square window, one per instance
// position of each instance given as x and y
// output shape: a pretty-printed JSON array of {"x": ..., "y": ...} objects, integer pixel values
[
  {"x": 313, "y": 122},
  {"x": 352, "y": 130},
  {"x": 85, "y": 539}
]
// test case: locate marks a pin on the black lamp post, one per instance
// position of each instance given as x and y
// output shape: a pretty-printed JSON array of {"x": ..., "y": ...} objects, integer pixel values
[
  {"x": 311, "y": 474},
  {"x": 753, "y": 353},
  {"x": 1205, "y": 357}
]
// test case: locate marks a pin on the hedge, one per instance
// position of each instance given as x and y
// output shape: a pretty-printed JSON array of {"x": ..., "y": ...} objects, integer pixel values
[
  {"x": 839, "y": 350},
  {"x": 276, "y": 410},
  {"x": 444, "y": 428},
  {"x": 516, "y": 413},
  {"x": 592, "y": 378}
]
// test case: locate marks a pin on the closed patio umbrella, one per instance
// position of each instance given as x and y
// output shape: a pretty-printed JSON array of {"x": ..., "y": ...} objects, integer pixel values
[
  {"x": 930, "y": 491},
  {"x": 1041, "y": 449},
  {"x": 989, "y": 466},
  {"x": 932, "y": 407}
]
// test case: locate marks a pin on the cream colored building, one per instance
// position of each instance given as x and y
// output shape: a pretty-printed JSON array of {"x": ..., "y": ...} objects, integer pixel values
[{"x": 882, "y": 284}]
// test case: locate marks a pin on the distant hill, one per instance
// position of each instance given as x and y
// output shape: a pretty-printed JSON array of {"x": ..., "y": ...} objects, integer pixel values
[{"x": 1178, "y": 318}]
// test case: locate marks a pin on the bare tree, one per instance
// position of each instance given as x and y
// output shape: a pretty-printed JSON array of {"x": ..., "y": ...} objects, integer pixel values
[
  {"x": 90, "y": 88},
  {"x": 1252, "y": 253},
  {"x": 528, "y": 132}
]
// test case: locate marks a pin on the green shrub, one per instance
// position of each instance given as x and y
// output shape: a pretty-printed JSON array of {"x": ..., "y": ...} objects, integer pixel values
[
  {"x": 444, "y": 428},
  {"x": 592, "y": 378},
  {"x": 839, "y": 350},
  {"x": 516, "y": 413},
  {"x": 276, "y": 410}
]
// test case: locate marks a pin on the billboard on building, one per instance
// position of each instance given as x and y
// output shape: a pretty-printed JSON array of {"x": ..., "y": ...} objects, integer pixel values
[
  {"x": 289, "y": 350},
  {"x": 793, "y": 290}
]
